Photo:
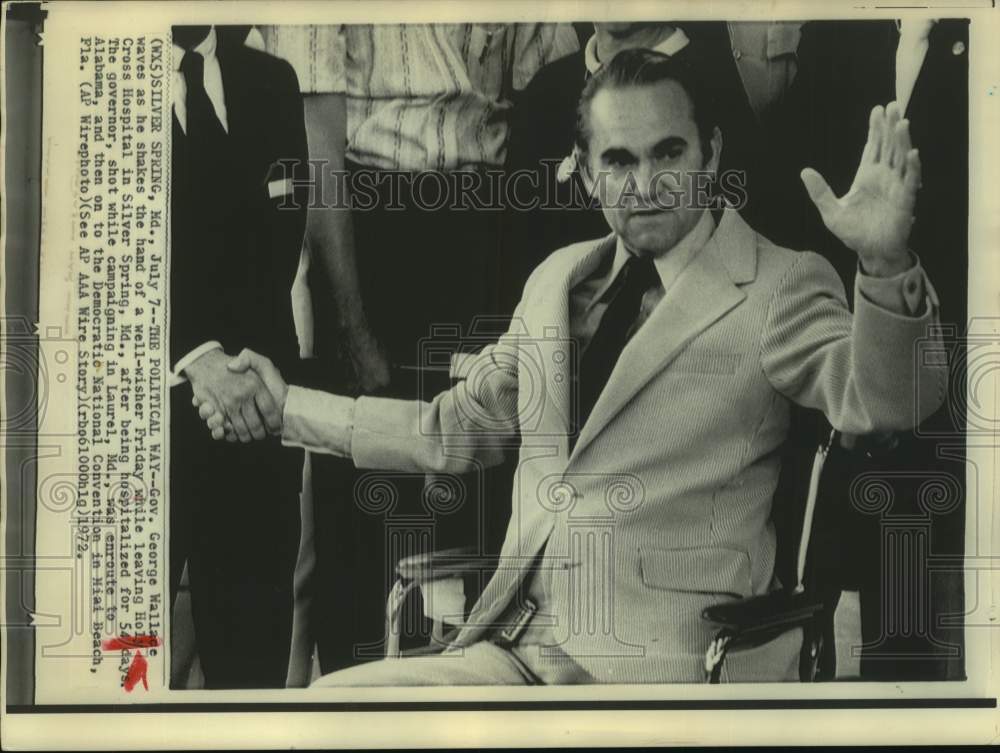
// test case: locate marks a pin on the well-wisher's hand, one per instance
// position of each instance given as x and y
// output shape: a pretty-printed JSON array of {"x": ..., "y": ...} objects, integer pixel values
[
  {"x": 875, "y": 216},
  {"x": 249, "y": 361},
  {"x": 239, "y": 399},
  {"x": 251, "y": 364}
]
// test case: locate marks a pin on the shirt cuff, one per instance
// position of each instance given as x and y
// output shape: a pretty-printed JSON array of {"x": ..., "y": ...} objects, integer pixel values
[
  {"x": 318, "y": 422},
  {"x": 177, "y": 376},
  {"x": 908, "y": 293}
]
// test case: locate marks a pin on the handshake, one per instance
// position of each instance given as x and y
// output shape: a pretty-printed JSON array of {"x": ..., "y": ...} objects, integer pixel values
[{"x": 240, "y": 399}]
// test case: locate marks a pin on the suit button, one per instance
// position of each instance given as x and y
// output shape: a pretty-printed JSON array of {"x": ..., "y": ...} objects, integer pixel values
[
  {"x": 958, "y": 48},
  {"x": 737, "y": 53},
  {"x": 560, "y": 496}
]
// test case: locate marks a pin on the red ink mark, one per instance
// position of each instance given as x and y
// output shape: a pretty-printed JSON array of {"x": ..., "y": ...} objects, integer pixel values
[
  {"x": 131, "y": 642},
  {"x": 136, "y": 671},
  {"x": 139, "y": 666}
]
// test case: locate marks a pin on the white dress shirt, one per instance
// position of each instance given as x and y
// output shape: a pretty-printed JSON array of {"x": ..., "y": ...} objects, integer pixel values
[
  {"x": 217, "y": 96},
  {"x": 669, "y": 46},
  {"x": 589, "y": 300},
  {"x": 910, "y": 54}
]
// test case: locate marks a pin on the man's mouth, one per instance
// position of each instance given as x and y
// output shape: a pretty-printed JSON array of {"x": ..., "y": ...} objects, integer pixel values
[{"x": 648, "y": 212}]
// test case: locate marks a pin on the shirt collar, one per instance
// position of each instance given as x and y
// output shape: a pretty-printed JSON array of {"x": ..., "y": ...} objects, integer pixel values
[
  {"x": 915, "y": 27},
  {"x": 205, "y": 48},
  {"x": 783, "y": 38},
  {"x": 668, "y": 265},
  {"x": 669, "y": 46}
]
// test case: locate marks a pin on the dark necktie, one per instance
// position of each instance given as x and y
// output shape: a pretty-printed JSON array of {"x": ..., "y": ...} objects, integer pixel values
[
  {"x": 204, "y": 152},
  {"x": 638, "y": 276}
]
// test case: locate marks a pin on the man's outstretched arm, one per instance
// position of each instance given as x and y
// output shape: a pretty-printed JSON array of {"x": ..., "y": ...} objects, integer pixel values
[{"x": 463, "y": 428}]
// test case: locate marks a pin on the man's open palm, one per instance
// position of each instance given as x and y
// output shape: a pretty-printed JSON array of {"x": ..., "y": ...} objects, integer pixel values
[{"x": 874, "y": 217}]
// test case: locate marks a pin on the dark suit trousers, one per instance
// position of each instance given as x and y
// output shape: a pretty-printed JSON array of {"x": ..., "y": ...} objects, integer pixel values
[{"x": 234, "y": 518}]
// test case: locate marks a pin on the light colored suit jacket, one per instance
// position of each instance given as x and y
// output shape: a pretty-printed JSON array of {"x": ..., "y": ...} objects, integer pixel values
[{"x": 662, "y": 506}]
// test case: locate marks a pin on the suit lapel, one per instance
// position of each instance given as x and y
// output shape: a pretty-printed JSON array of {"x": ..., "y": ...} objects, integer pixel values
[
  {"x": 946, "y": 55},
  {"x": 701, "y": 295},
  {"x": 551, "y": 332},
  {"x": 547, "y": 326},
  {"x": 232, "y": 85},
  {"x": 244, "y": 126}
]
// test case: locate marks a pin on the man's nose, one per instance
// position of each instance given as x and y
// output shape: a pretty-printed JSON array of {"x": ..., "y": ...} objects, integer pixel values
[
  {"x": 645, "y": 184},
  {"x": 666, "y": 187}
]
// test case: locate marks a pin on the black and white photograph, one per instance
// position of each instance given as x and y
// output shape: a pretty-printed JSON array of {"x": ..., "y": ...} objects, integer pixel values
[{"x": 402, "y": 362}]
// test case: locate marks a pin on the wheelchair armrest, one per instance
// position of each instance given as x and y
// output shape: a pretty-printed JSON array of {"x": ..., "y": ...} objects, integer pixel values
[
  {"x": 447, "y": 563},
  {"x": 759, "y": 617}
]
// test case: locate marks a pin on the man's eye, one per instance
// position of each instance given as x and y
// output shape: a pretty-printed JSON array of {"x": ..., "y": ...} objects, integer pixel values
[
  {"x": 671, "y": 153},
  {"x": 619, "y": 162}
]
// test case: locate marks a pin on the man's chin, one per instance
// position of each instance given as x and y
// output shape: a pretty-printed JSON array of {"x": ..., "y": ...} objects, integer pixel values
[
  {"x": 653, "y": 239},
  {"x": 650, "y": 247}
]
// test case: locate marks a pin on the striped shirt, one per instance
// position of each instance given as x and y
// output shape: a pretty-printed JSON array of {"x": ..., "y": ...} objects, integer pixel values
[{"x": 434, "y": 97}]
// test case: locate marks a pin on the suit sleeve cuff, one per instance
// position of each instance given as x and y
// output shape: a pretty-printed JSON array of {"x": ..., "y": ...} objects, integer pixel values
[
  {"x": 461, "y": 364},
  {"x": 908, "y": 293},
  {"x": 318, "y": 422},
  {"x": 177, "y": 376}
]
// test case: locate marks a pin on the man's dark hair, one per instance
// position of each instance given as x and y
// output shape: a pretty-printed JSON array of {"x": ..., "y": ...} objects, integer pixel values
[{"x": 639, "y": 67}]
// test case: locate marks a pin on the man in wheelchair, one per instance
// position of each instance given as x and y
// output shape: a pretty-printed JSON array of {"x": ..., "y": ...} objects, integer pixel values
[{"x": 649, "y": 379}]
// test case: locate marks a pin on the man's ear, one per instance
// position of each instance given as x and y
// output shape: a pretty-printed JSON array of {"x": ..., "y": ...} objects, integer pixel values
[
  {"x": 583, "y": 167},
  {"x": 712, "y": 163}
]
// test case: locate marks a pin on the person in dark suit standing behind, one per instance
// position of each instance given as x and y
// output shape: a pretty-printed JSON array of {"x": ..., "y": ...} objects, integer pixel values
[
  {"x": 235, "y": 242},
  {"x": 844, "y": 68}
]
